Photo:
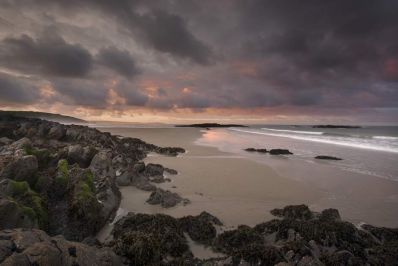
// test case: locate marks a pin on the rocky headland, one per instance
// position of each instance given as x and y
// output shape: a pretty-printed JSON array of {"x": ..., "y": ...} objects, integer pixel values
[
  {"x": 211, "y": 125},
  {"x": 59, "y": 185}
]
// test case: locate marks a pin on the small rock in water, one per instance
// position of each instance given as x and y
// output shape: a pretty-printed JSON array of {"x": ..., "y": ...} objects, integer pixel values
[
  {"x": 280, "y": 152},
  {"x": 326, "y": 157}
]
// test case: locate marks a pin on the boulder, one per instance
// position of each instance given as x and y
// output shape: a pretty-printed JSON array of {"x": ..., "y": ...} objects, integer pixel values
[
  {"x": 22, "y": 169},
  {"x": 12, "y": 215},
  {"x": 101, "y": 164},
  {"x": 154, "y": 169},
  {"x": 142, "y": 182},
  {"x": 200, "y": 228},
  {"x": 124, "y": 179},
  {"x": 21, "y": 144},
  {"x": 165, "y": 198},
  {"x": 82, "y": 156},
  {"x": 57, "y": 132}
]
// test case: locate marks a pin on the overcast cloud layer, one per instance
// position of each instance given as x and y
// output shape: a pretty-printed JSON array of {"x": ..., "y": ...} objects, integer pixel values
[{"x": 226, "y": 57}]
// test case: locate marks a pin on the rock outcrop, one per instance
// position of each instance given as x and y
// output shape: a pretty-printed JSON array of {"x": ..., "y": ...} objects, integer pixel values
[
  {"x": 21, "y": 247},
  {"x": 65, "y": 177}
]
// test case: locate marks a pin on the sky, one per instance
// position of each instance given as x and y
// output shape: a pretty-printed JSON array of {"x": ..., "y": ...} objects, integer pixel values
[{"x": 178, "y": 61}]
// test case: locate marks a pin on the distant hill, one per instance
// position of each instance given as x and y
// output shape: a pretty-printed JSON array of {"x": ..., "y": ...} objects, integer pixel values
[
  {"x": 210, "y": 125},
  {"x": 42, "y": 115}
]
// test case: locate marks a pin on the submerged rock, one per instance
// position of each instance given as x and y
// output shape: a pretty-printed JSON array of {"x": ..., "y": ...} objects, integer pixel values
[
  {"x": 325, "y": 157},
  {"x": 256, "y": 150}
]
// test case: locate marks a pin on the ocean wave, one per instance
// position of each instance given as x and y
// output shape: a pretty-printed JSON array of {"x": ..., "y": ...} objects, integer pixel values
[
  {"x": 295, "y": 131},
  {"x": 348, "y": 142},
  {"x": 385, "y": 137}
]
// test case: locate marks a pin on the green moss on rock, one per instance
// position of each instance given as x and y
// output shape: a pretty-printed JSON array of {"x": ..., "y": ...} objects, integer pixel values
[
  {"x": 62, "y": 177},
  {"x": 30, "y": 202}
]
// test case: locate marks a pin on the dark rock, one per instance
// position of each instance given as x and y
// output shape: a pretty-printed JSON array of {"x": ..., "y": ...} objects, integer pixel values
[
  {"x": 12, "y": 215},
  {"x": 81, "y": 156},
  {"x": 101, "y": 164},
  {"x": 125, "y": 178},
  {"x": 157, "y": 179},
  {"x": 139, "y": 167},
  {"x": 170, "y": 171},
  {"x": 20, "y": 206},
  {"x": 330, "y": 215},
  {"x": 170, "y": 151},
  {"x": 142, "y": 182},
  {"x": 200, "y": 228},
  {"x": 22, "y": 169},
  {"x": 21, "y": 144},
  {"x": 280, "y": 152},
  {"x": 166, "y": 198},
  {"x": 299, "y": 212},
  {"x": 57, "y": 132},
  {"x": 35, "y": 247},
  {"x": 154, "y": 169},
  {"x": 383, "y": 234},
  {"x": 211, "y": 125},
  {"x": 256, "y": 150},
  {"x": 157, "y": 236},
  {"x": 325, "y": 157}
]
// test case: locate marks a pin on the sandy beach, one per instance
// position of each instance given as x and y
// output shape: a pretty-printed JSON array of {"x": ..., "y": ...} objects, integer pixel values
[{"x": 242, "y": 190}]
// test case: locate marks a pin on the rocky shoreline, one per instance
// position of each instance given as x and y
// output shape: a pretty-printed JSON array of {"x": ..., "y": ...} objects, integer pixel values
[{"x": 59, "y": 185}]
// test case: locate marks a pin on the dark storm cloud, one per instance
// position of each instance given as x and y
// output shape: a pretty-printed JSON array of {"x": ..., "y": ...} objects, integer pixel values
[
  {"x": 164, "y": 31},
  {"x": 16, "y": 91},
  {"x": 229, "y": 53},
  {"x": 48, "y": 55},
  {"x": 80, "y": 92},
  {"x": 120, "y": 61},
  {"x": 132, "y": 96}
]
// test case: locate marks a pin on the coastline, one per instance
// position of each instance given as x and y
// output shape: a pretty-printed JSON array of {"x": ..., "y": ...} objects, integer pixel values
[
  {"x": 242, "y": 190},
  {"x": 74, "y": 180}
]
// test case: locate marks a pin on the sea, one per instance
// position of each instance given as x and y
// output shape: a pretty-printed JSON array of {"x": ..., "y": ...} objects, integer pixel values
[{"x": 371, "y": 150}]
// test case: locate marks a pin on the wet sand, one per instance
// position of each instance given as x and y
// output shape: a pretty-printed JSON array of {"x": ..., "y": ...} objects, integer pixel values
[{"x": 241, "y": 190}]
